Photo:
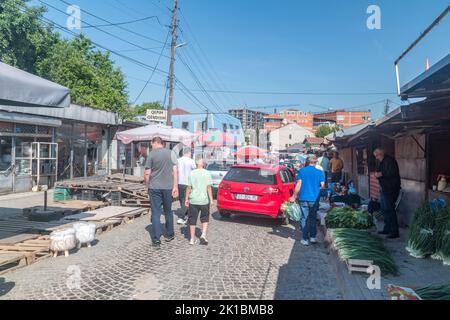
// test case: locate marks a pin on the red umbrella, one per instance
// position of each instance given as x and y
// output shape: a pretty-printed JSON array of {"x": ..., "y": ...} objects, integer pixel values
[
  {"x": 216, "y": 139},
  {"x": 251, "y": 152}
]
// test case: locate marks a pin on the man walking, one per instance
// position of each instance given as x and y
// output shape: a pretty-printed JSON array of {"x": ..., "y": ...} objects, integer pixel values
[
  {"x": 185, "y": 165},
  {"x": 388, "y": 176},
  {"x": 337, "y": 165},
  {"x": 199, "y": 199},
  {"x": 161, "y": 177},
  {"x": 310, "y": 181}
]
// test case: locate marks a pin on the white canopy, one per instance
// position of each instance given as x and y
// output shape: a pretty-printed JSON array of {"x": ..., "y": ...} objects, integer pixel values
[
  {"x": 149, "y": 132},
  {"x": 18, "y": 87}
]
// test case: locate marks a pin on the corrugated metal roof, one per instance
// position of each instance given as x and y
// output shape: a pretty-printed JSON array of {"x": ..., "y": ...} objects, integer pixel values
[{"x": 74, "y": 112}]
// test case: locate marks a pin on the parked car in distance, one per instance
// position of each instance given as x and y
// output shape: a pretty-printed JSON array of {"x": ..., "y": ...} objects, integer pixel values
[
  {"x": 255, "y": 190},
  {"x": 218, "y": 170}
]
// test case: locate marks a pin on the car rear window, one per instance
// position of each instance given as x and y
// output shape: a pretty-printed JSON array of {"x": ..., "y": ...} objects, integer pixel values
[
  {"x": 218, "y": 167},
  {"x": 250, "y": 175}
]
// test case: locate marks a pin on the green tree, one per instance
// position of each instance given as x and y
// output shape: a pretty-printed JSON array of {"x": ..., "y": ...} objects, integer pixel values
[
  {"x": 31, "y": 45},
  {"x": 141, "y": 110},
  {"x": 24, "y": 39},
  {"x": 324, "y": 130},
  {"x": 90, "y": 74}
]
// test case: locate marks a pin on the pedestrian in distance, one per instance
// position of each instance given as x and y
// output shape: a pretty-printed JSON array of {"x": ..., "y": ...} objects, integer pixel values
[
  {"x": 185, "y": 165},
  {"x": 199, "y": 200},
  {"x": 337, "y": 165},
  {"x": 388, "y": 176},
  {"x": 310, "y": 182},
  {"x": 161, "y": 178}
]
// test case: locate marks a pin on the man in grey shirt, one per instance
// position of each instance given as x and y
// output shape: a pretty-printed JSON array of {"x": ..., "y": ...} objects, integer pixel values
[{"x": 161, "y": 177}]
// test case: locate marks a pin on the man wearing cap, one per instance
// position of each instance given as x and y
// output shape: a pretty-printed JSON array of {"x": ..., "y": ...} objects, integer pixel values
[{"x": 310, "y": 181}]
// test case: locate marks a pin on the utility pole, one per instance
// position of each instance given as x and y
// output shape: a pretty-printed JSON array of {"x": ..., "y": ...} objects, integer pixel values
[{"x": 172, "y": 63}]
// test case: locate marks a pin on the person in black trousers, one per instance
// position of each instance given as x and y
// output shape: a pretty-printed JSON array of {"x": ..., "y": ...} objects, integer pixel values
[{"x": 388, "y": 176}]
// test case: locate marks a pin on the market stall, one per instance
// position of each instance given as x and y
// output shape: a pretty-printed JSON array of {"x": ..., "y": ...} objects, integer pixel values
[{"x": 139, "y": 139}]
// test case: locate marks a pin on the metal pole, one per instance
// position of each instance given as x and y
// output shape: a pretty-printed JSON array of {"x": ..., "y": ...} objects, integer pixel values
[
  {"x": 172, "y": 63},
  {"x": 45, "y": 200}
]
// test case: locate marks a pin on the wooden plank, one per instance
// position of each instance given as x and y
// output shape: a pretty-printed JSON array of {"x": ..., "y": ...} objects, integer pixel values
[
  {"x": 18, "y": 238},
  {"x": 101, "y": 214},
  {"x": 8, "y": 257},
  {"x": 16, "y": 248}
]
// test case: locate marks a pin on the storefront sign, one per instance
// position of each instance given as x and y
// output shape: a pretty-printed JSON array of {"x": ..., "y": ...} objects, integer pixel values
[{"x": 156, "y": 115}]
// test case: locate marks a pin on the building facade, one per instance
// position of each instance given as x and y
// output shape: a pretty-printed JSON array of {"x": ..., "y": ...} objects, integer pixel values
[
  {"x": 290, "y": 116},
  {"x": 250, "y": 119},
  {"x": 199, "y": 123},
  {"x": 39, "y": 146},
  {"x": 287, "y": 136},
  {"x": 342, "y": 118}
]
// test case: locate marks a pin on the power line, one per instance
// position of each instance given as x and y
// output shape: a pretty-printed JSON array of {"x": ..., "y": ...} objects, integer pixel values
[
  {"x": 182, "y": 88},
  {"x": 154, "y": 69},
  {"x": 200, "y": 85},
  {"x": 210, "y": 67},
  {"x": 123, "y": 23},
  {"x": 107, "y": 21}
]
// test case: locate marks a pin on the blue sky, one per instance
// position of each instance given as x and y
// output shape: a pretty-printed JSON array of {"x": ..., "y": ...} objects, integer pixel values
[{"x": 322, "y": 47}]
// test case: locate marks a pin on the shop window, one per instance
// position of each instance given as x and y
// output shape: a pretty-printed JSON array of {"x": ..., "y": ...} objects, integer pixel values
[
  {"x": 44, "y": 130},
  {"x": 25, "y": 129},
  {"x": 23, "y": 156},
  {"x": 185, "y": 125},
  {"x": 5, "y": 153},
  {"x": 6, "y": 127},
  {"x": 361, "y": 160}
]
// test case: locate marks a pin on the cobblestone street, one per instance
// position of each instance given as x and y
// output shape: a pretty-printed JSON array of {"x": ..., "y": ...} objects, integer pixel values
[{"x": 247, "y": 258}]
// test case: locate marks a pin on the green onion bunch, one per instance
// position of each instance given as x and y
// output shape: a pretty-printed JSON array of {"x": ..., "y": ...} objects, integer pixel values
[{"x": 361, "y": 245}]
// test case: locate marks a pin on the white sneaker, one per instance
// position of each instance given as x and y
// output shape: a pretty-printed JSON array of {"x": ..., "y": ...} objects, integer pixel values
[
  {"x": 313, "y": 240},
  {"x": 193, "y": 242},
  {"x": 181, "y": 221},
  {"x": 305, "y": 242}
]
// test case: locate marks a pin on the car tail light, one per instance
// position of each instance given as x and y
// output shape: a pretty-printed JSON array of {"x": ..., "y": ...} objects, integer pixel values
[
  {"x": 225, "y": 186},
  {"x": 272, "y": 190}
]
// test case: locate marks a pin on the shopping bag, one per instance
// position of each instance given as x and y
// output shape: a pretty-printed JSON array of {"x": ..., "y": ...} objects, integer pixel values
[{"x": 294, "y": 212}]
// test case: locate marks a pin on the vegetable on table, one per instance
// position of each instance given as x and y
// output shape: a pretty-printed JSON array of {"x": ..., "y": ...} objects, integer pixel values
[
  {"x": 434, "y": 292},
  {"x": 422, "y": 238},
  {"x": 346, "y": 217},
  {"x": 361, "y": 245}
]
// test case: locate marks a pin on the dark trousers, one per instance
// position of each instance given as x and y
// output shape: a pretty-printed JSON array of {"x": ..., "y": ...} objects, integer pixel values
[
  {"x": 336, "y": 177},
  {"x": 387, "y": 203},
  {"x": 161, "y": 199},
  {"x": 182, "y": 196}
]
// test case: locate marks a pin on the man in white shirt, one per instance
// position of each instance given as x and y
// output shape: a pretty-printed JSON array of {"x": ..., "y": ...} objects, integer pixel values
[{"x": 185, "y": 165}]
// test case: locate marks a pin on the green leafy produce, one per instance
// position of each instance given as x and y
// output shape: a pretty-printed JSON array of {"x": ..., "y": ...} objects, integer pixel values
[
  {"x": 359, "y": 244},
  {"x": 422, "y": 238},
  {"x": 346, "y": 217},
  {"x": 434, "y": 292},
  {"x": 442, "y": 228}
]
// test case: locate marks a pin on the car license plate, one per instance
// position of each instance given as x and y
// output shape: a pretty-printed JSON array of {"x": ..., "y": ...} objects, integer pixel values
[{"x": 247, "y": 197}]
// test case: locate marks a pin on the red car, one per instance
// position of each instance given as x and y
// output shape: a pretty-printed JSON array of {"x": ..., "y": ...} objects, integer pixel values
[{"x": 255, "y": 190}]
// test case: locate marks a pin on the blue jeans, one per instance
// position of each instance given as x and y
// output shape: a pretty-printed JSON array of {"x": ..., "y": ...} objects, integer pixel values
[
  {"x": 309, "y": 212},
  {"x": 158, "y": 199}
]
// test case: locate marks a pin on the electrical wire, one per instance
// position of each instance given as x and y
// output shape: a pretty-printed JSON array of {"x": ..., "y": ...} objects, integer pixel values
[
  {"x": 154, "y": 69},
  {"x": 122, "y": 23}
]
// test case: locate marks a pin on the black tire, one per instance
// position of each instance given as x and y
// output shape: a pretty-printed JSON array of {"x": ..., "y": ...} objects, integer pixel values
[{"x": 224, "y": 215}]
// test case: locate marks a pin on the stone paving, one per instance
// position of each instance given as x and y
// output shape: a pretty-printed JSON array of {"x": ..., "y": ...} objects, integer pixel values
[{"x": 247, "y": 258}]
